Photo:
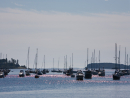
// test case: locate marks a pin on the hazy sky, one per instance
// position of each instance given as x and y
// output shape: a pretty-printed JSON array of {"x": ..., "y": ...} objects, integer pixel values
[{"x": 62, "y": 27}]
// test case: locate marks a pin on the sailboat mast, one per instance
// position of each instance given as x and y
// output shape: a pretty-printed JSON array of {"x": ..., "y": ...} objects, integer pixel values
[
  {"x": 72, "y": 60},
  {"x": 115, "y": 55},
  {"x": 66, "y": 62},
  {"x": 129, "y": 64},
  {"x": 85, "y": 63},
  {"x": 119, "y": 58},
  {"x": 125, "y": 57},
  {"x": 58, "y": 64},
  {"x": 99, "y": 59},
  {"x": 127, "y": 61},
  {"x": 44, "y": 61},
  {"x": 94, "y": 56},
  {"x": 26, "y": 63},
  {"x": 53, "y": 63},
  {"x": 91, "y": 63},
  {"x": 87, "y": 57},
  {"x": 35, "y": 60},
  {"x": 28, "y": 56},
  {"x": 36, "y": 57}
]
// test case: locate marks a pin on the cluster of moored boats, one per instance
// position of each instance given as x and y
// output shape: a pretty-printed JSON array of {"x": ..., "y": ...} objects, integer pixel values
[
  {"x": 79, "y": 74},
  {"x": 118, "y": 73},
  {"x": 70, "y": 72},
  {"x": 4, "y": 72},
  {"x": 87, "y": 74},
  {"x": 37, "y": 72}
]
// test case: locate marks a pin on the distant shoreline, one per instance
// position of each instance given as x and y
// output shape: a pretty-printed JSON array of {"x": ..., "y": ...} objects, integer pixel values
[
  {"x": 10, "y": 64},
  {"x": 13, "y": 68}
]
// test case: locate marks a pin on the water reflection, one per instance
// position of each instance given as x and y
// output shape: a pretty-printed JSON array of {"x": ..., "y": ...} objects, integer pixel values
[{"x": 63, "y": 79}]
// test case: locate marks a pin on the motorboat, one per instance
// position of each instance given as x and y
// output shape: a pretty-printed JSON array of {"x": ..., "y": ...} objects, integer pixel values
[
  {"x": 44, "y": 71},
  {"x": 95, "y": 72},
  {"x": 116, "y": 76},
  {"x": 27, "y": 73},
  {"x": 47, "y": 71},
  {"x": 69, "y": 72},
  {"x": 6, "y": 71},
  {"x": 79, "y": 75},
  {"x": 88, "y": 74},
  {"x": 39, "y": 72},
  {"x": 21, "y": 74},
  {"x": 2, "y": 75},
  {"x": 101, "y": 73}
]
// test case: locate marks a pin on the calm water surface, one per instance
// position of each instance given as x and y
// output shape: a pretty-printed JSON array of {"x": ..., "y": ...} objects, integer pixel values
[{"x": 62, "y": 86}]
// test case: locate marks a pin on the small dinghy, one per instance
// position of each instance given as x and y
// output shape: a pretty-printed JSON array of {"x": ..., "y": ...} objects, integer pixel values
[{"x": 36, "y": 76}]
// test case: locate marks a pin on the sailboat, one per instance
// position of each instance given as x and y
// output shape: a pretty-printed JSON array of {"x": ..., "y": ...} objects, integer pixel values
[
  {"x": 34, "y": 66},
  {"x": 93, "y": 59},
  {"x": 120, "y": 71},
  {"x": 27, "y": 71},
  {"x": 65, "y": 64},
  {"x": 53, "y": 67},
  {"x": 59, "y": 71},
  {"x": 100, "y": 72},
  {"x": 87, "y": 72},
  {"x": 72, "y": 75},
  {"x": 44, "y": 71},
  {"x": 70, "y": 70},
  {"x": 38, "y": 72},
  {"x": 116, "y": 75}
]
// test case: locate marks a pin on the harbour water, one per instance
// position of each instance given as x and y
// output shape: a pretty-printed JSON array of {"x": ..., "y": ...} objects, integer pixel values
[{"x": 58, "y": 85}]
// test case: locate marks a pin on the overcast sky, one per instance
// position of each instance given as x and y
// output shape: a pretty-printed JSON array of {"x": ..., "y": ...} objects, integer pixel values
[{"x": 62, "y": 27}]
